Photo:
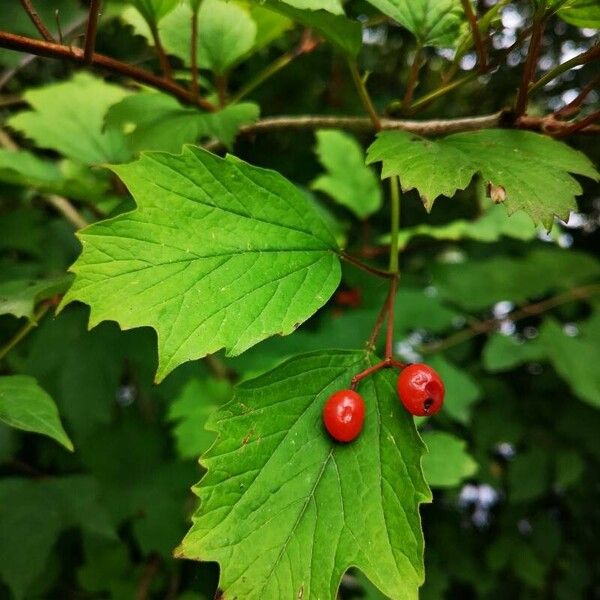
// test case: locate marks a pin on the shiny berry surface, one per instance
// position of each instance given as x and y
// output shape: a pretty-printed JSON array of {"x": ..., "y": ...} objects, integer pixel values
[
  {"x": 421, "y": 390},
  {"x": 344, "y": 414}
]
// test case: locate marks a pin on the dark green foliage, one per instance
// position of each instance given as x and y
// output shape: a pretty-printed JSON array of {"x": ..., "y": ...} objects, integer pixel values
[{"x": 507, "y": 312}]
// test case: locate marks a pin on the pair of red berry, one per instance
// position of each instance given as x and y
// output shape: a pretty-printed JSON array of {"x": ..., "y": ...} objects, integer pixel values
[{"x": 420, "y": 389}]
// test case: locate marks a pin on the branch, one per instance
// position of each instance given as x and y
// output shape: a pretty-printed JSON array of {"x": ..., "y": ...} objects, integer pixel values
[
  {"x": 67, "y": 210},
  {"x": 364, "y": 96},
  {"x": 550, "y": 125},
  {"x": 9, "y": 73},
  {"x": 479, "y": 45},
  {"x": 59, "y": 51},
  {"x": 26, "y": 329},
  {"x": 574, "y": 106},
  {"x": 585, "y": 57},
  {"x": 480, "y": 327},
  {"x": 37, "y": 20},
  {"x": 90, "y": 32},
  {"x": 165, "y": 65},
  {"x": 195, "y": 71},
  {"x": 579, "y": 125},
  {"x": 413, "y": 79},
  {"x": 530, "y": 64},
  {"x": 364, "y": 266}
]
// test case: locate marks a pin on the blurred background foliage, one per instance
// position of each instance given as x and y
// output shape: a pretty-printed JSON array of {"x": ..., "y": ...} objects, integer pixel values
[{"x": 514, "y": 455}]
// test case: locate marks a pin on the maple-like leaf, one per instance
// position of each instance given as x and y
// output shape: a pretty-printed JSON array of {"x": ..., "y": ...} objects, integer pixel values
[{"x": 286, "y": 511}]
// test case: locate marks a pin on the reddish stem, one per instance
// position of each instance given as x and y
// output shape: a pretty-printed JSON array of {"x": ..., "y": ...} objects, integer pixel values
[
  {"x": 91, "y": 30},
  {"x": 52, "y": 50},
  {"x": 32, "y": 13},
  {"x": 386, "y": 363},
  {"x": 530, "y": 65}
]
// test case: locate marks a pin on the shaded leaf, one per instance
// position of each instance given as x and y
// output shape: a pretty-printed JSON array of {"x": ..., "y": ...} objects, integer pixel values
[
  {"x": 348, "y": 181},
  {"x": 432, "y": 23},
  {"x": 461, "y": 390},
  {"x": 447, "y": 462},
  {"x": 155, "y": 121},
  {"x": 581, "y": 13},
  {"x": 343, "y": 33},
  {"x": 574, "y": 358},
  {"x": 285, "y": 510},
  {"x": 489, "y": 227},
  {"x": 68, "y": 117},
  {"x": 32, "y": 514},
  {"x": 154, "y": 11},
  {"x": 504, "y": 352},
  {"x": 19, "y": 297},
  {"x": 478, "y": 284},
  {"x": 190, "y": 410},
  {"x": 226, "y": 32},
  {"x": 25, "y": 405},
  {"x": 248, "y": 257}
]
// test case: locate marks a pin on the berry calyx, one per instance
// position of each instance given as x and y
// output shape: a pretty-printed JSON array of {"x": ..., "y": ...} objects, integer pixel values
[
  {"x": 421, "y": 390},
  {"x": 344, "y": 414}
]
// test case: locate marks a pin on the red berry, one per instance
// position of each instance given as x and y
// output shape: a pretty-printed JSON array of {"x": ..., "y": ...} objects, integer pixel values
[
  {"x": 344, "y": 414},
  {"x": 421, "y": 390}
]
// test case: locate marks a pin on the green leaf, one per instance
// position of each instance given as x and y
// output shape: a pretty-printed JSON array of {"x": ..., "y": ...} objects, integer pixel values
[
  {"x": 343, "y": 33},
  {"x": 25, "y": 405},
  {"x": 478, "y": 284},
  {"x": 226, "y": 32},
  {"x": 432, "y": 23},
  {"x": 190, "y": 410},
  {"x": 505, "y": 352},
  {"x": 68, "y": 117},
  {"x": 331, "y": 6},
  {"x": 348, "y": 181},
  {"x": 530, "y": 171},
  {"x": 19, "y": 297},
  {"x": 32, "y": 514},
  {"x": 154, "y": 11},
  {"x": 569, "y": 468},
  {"x": 249, "y": 256},
  {"x": 286, "y": 511},
  {"x": 581, "y": 13},
  {"x": 489, "y": 227},
  {"x": 573, "y": 357},
  {"x": 529, "y": 475},
  {"x": 270, "y": 26},
  {"x": 447, "y": 462},
  {"x": 461, "y": 390},
  {"x": 79, "y": 360},
  {"x": 24, "y": 168},
  {"x": 155, "y": 121}
]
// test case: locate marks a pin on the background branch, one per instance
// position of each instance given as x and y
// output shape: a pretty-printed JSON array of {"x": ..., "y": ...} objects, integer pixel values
[
  {"x": 478, "y": 41},
  {"x": 529, "y": 310},
  {"x": 37, "y": 20},
  {"x": 90, "y": 32},
  {"x": 70, "y": 53},
  {"x": 530, "y": 64}
]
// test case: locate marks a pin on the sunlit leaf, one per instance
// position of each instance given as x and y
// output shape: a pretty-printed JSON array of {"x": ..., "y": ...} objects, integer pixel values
[
  {"x": 347, "y": 180},
  {"x": 528, "y": 171},
  {"x": 218, "y": 254}
]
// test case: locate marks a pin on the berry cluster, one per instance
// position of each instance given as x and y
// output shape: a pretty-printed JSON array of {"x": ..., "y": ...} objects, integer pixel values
[{"x": 420, "y": 388}]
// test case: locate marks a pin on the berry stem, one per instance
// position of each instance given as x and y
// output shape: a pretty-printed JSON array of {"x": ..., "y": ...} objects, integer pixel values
[{"x": 386, "y": 363}]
